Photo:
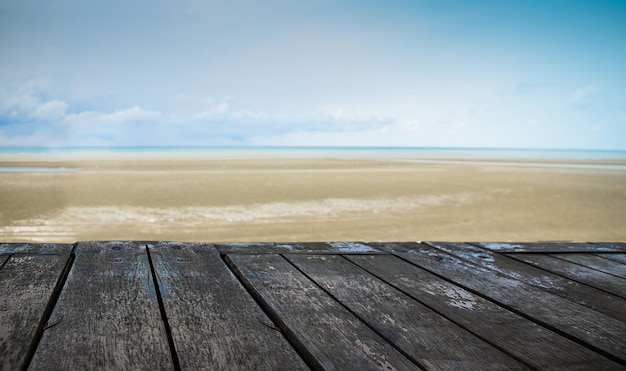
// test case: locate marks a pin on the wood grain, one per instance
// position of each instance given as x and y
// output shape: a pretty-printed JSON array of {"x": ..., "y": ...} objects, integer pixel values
[
  {"x": 613, "y": 245},
  {"x": 215, "y": 323},
  {"x": 327, "y": 334},
  {"x": 26, "y": 286},
  {"x": 600, "y": 280},
  {"x": 598, "y": 331},
  {"x": 615, "y": 257},
  {"x": 595, "y": 262},
  {"x": 107, "y": 316},
  {"x": 421, "y": 333},
  {"x": 548, "y": 247},
  {"x": 298, "y": 248},
  {"x": 34, "y": 248},
  {"x": 579, "y": 293},
  {"x": 527, "y": 341}
]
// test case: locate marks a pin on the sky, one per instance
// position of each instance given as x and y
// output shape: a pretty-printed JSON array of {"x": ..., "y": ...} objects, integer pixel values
[{"x": 512, "y": 74}]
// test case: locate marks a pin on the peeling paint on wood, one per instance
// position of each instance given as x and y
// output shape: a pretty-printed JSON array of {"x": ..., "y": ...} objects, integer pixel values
[
  {"x": 347, "y": 305},
  {"x": 579, "y": 293},
  {"x": 298, "y": 248},
  {"x": 595, "y": 262},
  {"x": 549, "y": 247},
  {"x": 526, "y": 340},
  {"x": 593, "y": 328},
  {"x": 594, "y": 278}
]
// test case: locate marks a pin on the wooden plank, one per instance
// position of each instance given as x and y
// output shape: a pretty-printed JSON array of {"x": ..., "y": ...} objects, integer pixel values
[
  {"x": 598, "y": 331},
  {"x": 614, "y": 245},
  {"x": 547, "y": 247},
  {"x": 588, "y": 276},
  {"x": 595, "y": 262},
  {"x": 107, "y": 315},
  {"x": 27, "y": 283},
  {"x": 422, "y": 334},
  {"x": 323, "y": 331},
  {"x": 531, "y": 343},
  {"x": 34, "y": 248},
  {"x": 579, "y": 293},
  {"x": 615, "y": 257},
  {"x": 215, "y": 323},
  {"x": 297, "y": 248}
]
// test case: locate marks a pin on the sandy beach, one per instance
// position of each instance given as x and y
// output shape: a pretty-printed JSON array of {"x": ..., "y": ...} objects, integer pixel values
[{"x": 190, "y": 197}]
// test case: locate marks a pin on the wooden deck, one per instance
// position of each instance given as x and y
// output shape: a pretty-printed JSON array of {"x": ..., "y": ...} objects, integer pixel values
[{"x": 432, "y": 305}]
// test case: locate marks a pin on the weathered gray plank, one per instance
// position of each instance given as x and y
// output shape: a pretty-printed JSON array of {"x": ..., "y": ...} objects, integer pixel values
[
  {"x": 603, "y": 333},
  {"x": 590, "y": 297},
  {"x": 107, "y": 315},
  {"x": 327, "y": 334},
  {"x": 615, "y": 257},
  {"x": 3, "y": 258},
  {"x": 595, "y": 262},
  {"x": 516, "y": 335},
  {"x": 588, "y": 276},
  {"x": 547, "y": 247},
  {"x": 215, "y": 323},
  {"x": 614, "y": 245},
  {"x": 34, "y": 248},
  {"x": 421, "y": 333},
  {"x": 26, "y": 284},
  {"x": 297, "y": 248}
]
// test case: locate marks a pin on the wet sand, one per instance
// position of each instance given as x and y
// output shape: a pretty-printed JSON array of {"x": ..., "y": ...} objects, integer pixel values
[{"x": 191, "y": 198}]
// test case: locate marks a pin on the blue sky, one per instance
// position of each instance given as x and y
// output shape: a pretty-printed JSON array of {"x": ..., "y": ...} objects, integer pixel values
[{"x": 532, "y": 74}]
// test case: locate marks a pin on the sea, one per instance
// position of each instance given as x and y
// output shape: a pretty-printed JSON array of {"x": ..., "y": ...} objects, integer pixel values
[{"x": 562, "y": 158}]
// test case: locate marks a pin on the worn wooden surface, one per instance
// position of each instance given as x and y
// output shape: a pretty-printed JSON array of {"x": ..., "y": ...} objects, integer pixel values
[
  {"x": 595, "y": 329},
  {"x": 552, "y": 247},
  {"x": 577, "y": 292},
  {"x": 595, "y": 262},
  {"x": 518, "y": 336},
  {"x": 26, "y": 285},
  {"x": 620, "y": 258},
  {"x": 319, "y": 325},
  {"x": 107, "y": 316},
  {"x": 428, "y": 338},
  {"x": 215, "y": 323},
  {"x": 588, "y": 276},
  {"x": 320, "y": 248},
  {"x": 331, "y": 305},
  {"x": 34, "y": 248}
]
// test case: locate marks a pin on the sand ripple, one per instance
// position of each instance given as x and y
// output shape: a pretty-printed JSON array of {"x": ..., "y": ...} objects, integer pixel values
[{"x": 69, "y": 223}]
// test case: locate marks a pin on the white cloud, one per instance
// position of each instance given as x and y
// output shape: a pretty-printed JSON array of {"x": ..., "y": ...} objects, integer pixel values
[
  {"x": 215, "y": 113},
  {"x": 338, "y": 113},
  {"x": 24, "y": 102},
  {"x": 583, "y": 97},
  {"x": 125, "y": 116},
  {"x": 51, "y": 110}
]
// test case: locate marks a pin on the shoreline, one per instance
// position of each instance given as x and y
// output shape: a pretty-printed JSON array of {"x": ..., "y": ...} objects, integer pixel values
[{"x": 270, "y": 153}]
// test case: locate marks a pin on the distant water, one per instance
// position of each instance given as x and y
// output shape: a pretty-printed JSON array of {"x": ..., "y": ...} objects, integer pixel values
[
  {"x": 34, "y": 169},
  {"x": 428, "y": 152},
  {"x": 578, "y": 159}
]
